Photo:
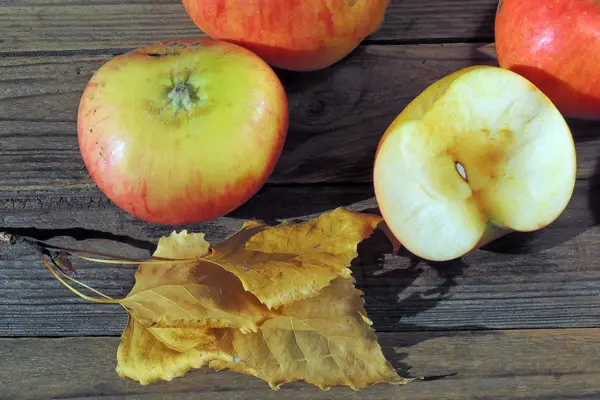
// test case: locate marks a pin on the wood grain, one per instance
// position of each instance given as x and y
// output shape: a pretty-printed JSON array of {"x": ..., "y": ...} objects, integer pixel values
[
  {"x": 337, "y": 116},
  {"x": 539, "y": 364},
  {"x": 114, "y": 25},
  {"x": 550, "y": 278},
  {"x": 432, "y": 319}
]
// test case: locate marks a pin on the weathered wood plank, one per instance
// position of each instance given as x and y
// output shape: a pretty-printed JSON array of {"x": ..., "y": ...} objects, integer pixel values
[
  {"x": 337, "y": 116},
  {"x": 550, "y": 278},
  {"x": 539, "y": 364},
  {"x": 105, "y": 25}
]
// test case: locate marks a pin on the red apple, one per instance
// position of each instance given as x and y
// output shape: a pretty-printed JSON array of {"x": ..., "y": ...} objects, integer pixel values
[
  {"x": 556, "y": 45},
  {"x": 182, "y": 131},
  {"x": 291, "y": 34}
]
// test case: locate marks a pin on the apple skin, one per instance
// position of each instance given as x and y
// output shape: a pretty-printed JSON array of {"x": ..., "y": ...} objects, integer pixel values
[
  {"x": 556, "y": 45},
  {"x": 182, "y": 131},
  {"x": 295, "y": 35}
]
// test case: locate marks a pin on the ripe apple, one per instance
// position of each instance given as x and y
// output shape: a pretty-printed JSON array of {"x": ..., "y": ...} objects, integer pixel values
[
  {"x": 296, "y": 35},
  {"x": 479, "y": 153},
  {"x": 182, "y": 131},
  {"x": 556, "y": 45}
]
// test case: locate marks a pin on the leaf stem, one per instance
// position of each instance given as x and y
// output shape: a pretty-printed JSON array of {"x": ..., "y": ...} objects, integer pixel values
[
  {"x": 77, "y": 292},
  {"x": 133, "y": 262},
  {"x": 44, "y": 250},
  {"x": 87, "y": 287}
]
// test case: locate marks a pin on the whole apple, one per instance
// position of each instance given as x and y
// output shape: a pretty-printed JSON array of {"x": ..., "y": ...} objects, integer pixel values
[
  {"x": 556, "y": 45},
  {"x": 480, "y": 153},
  {"x": 290, "y": 34},
  {"x": 182, "y": 131}
]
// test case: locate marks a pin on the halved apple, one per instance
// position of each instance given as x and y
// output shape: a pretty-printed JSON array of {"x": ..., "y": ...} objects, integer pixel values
[{"x": 479, "y": 153}]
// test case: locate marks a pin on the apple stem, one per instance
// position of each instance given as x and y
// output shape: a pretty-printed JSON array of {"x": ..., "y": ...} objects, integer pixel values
[
  {"x": 181, "y": 96},
  {"x": 492, "y": 232}
]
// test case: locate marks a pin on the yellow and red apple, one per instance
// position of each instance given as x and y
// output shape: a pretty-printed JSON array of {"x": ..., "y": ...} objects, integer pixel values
[
  {"x": 291, "y": 34},
  {"x": 479, "y": 153},
  {"x": 182, "y": 131},
  {"x": 556, "y": 45}
]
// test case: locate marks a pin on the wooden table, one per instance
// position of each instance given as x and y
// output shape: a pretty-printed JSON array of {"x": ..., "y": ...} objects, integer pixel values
[{"x": 519, "y": 319}]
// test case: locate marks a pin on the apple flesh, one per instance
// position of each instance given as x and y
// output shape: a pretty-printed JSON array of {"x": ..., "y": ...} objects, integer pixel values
[
  {"x": 182, "y": 131},
  {"x": 479, "y": 153},
  {"x": 555, "y": 45},
  {"x": 295, "y": 35}
]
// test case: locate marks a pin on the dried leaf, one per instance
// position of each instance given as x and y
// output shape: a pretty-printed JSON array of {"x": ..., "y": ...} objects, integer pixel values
[
  {"x": 197, "y": 295},
  {"x": 216, "y": 309},
  {"x": 291, "y": 262},
  {"x": 144, "y": 358},
  {"x": 185, "y": 339},
  {"x": 326, "y": 341},
  {"x": 182, "y": 245}
]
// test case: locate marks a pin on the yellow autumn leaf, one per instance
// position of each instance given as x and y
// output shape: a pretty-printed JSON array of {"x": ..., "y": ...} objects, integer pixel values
[
  {"x": 185, "y": 339},
  {"x": 193, "y": 295},
  {"x": 290, "y": 262},
  {"x": 141, "y": 356},
  {"x": 326, "y": 341},
  {"x": 165, "y": 353},
  {"x": 182, "y": 245},
  {"x": 213, "y": 309}
]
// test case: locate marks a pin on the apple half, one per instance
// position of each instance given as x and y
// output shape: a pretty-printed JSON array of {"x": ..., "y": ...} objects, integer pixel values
[{"x": 480, "y": 153}]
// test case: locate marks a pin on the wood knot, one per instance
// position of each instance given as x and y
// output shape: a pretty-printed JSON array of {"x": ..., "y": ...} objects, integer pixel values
[{"x": 316, "y": 107}]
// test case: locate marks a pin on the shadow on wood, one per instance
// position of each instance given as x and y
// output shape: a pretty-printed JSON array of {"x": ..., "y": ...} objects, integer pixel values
[
  {"x": 324, "y": 102},
  {"x": 80, "y": 234},
  {"x": 485, "y": 31},
  {"x": 369, "y": 267},
  {"x": 594, "y": 195},
  {"x": 290, "y": 201}
]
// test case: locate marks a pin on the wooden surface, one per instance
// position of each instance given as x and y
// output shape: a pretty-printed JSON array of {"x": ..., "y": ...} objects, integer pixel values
[
  {"x": 456, "y": 365},
  {"x": 337, "y": 115},
  {"x": 550, "y": 278},
  {"x": 90, "y": 26},
  {"x": 517, "y": 319}
]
